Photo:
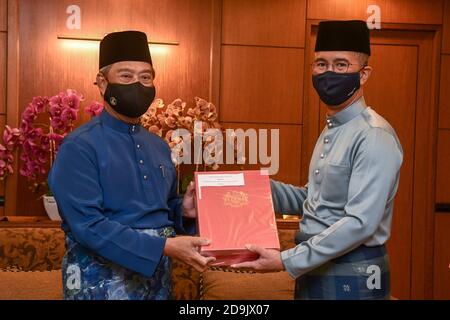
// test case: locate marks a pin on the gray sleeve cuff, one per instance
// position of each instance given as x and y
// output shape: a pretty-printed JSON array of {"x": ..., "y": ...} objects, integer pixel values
[{"x": 287, "y": 258}]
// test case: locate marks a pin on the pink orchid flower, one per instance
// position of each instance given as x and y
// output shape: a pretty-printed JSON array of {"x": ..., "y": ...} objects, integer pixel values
[{"x": 94, "y": 109}]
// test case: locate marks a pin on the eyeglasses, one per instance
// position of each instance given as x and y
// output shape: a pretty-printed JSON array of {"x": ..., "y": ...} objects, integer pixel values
[{"x": 339, "y": 67}]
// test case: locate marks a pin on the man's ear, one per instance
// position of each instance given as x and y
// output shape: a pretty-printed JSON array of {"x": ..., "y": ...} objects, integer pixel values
[
  {"x": 365, "y": 74},
  {"x": 101, "y": 83}
]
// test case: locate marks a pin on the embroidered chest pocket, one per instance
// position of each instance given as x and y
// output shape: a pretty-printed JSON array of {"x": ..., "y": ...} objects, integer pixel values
[{"x": 335, "y": 184}]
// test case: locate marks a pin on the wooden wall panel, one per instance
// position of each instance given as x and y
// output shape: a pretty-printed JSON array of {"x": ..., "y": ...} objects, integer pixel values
[
  {"x": 264, "y": 22},
  {"x": 161, "y": 20},
  {"x": 289, "y": 150},
  {"x": 443, "y": 168},
  {"x": 3, "y": 15},
  {"x": 441, "y": 275},
  {"x": 260, "y": 84},
  {"x": 3, "y": 64},
  {"x": 182, "y": 70},
  {"x": 446, "y": 29},
  {"x": 425, "y": 165},
  {"x": 442, "y": 257},
  {"x": 392, "y": 11},
  {"x": 444, "y": 101}
]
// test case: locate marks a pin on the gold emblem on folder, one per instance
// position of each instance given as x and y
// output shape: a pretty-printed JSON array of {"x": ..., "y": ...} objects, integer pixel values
[{"x": 235, "y": 199}]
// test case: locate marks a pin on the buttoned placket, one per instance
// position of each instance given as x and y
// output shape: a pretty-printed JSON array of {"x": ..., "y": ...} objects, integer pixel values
[
  {"x": 327, "y": 139},
  {"x": 140, "y": 157},
  {"x": 320, "y": 165}
]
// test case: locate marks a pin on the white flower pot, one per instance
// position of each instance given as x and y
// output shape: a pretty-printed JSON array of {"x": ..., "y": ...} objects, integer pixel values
[{"x": 51, "y": 208}]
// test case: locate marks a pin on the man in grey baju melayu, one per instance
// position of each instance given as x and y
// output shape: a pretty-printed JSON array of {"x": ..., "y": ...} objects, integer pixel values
[{"x": 347, "y": 205}]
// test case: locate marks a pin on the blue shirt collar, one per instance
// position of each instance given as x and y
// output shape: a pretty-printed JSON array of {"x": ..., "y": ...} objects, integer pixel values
[
  {"x": 117, "y": 124},
  {"x": 348, "y": 113}
]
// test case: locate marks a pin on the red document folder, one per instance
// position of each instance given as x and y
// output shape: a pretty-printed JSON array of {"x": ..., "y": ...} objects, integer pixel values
[{"x": 234, "y": 209}]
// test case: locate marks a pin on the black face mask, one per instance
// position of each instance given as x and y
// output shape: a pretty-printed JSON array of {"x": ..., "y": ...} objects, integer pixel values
[
  {"x": 335, "y": 88},
  {"x": 131, "y": 100}
]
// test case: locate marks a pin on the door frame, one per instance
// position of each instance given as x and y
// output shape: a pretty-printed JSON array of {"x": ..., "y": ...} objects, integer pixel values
[{"x": 424, "y": 168}]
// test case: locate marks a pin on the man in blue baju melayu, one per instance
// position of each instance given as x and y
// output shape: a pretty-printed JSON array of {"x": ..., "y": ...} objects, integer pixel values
[
  {"x": 347, "y": 205},
  {"x": 115, "y": 186}
]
